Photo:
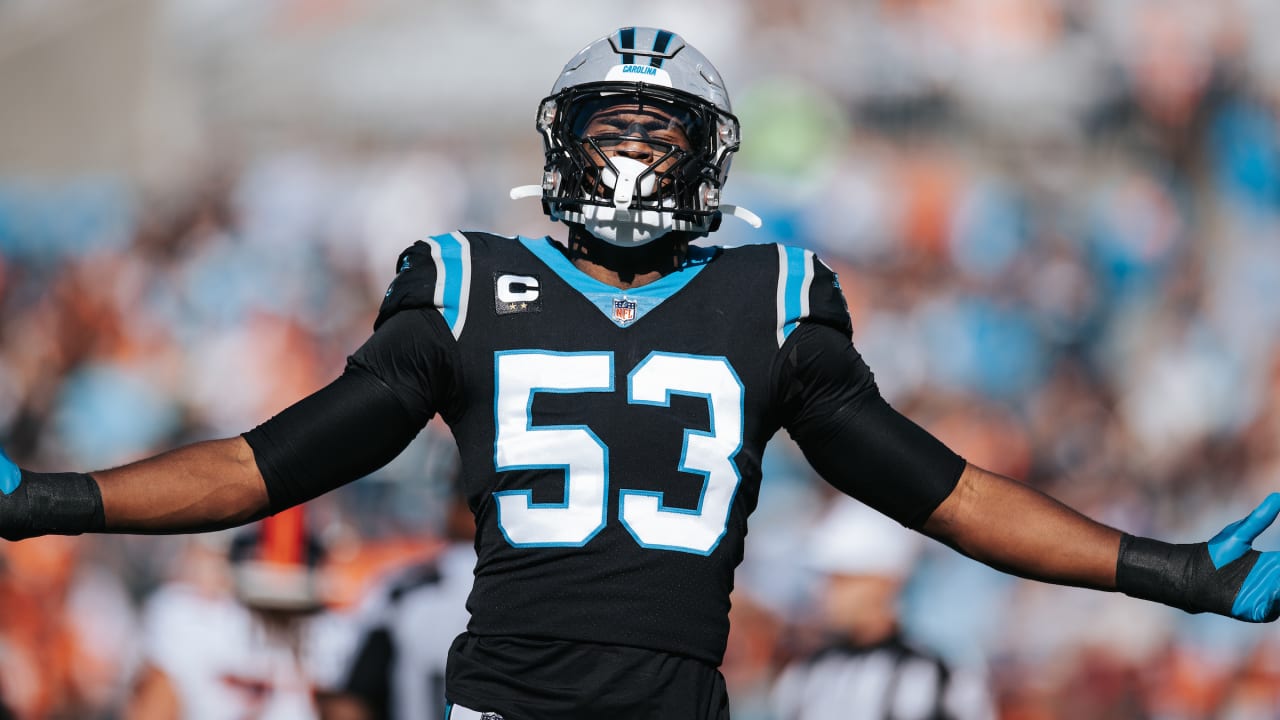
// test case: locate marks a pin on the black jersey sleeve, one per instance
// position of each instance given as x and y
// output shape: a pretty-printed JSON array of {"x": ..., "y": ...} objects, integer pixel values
[
  {"x": 808, "y": 292},
  {"x": 392, "y": 386},
  {"x": 433, "y": 273},
  {"x": 851, "y": 436},
  {"x": 827, "y": 305},
  {"x": 413, "y": 352}
]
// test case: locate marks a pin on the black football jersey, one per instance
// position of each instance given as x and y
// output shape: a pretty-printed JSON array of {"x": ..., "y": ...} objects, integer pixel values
[{"x": 610, "y": 439}]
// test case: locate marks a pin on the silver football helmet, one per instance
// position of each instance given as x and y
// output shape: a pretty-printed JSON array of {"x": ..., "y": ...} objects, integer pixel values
[{"x": 624, "y": 197}]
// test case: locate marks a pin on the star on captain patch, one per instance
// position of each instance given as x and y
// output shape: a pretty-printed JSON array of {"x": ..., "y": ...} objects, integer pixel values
[
  {"x": 624, "y": 310},
  {"x": 516, "y": 293}
]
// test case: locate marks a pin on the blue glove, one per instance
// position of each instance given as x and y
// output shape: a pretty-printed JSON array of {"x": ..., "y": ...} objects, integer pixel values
[
  {"x": 1256, "y": 599},
  {"x": 1224, "y": 575},
  {"x": 10, "y": 475}
]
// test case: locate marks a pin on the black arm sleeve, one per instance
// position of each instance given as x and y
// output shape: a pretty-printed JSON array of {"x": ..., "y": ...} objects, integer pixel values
[
  {"x": 362, "y": 420},
  {"x": 851, "y": 436}
]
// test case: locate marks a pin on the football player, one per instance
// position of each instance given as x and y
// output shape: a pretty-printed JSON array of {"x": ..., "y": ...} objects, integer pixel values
[{"x": 611, "y": 398}]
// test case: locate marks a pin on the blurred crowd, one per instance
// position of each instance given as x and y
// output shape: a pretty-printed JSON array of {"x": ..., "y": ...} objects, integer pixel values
[{"x": 1057, "y": 223}]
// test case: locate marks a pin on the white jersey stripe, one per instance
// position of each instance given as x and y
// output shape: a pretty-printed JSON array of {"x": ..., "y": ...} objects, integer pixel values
[{"x": 437, "y": 259}]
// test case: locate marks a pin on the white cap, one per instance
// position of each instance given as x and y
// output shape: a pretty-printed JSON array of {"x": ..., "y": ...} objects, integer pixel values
[{"x": 853, "y": 539}]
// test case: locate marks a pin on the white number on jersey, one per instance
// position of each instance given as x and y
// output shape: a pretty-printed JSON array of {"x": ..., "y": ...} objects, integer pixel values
[{"x": 520, "y": 445}]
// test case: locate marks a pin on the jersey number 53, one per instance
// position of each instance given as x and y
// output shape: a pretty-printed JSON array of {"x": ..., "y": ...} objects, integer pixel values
[{"x": 584, "y": 458}]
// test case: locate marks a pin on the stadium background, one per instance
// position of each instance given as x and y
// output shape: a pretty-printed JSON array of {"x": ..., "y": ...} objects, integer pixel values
[{"x": 1057, "y": 223}]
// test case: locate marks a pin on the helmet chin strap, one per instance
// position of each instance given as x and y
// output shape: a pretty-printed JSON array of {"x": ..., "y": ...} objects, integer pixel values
[{"x": 619, "y": 225}]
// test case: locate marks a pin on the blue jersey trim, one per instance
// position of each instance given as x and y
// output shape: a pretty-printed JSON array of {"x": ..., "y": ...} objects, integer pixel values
[
  {"x": 795, "y": 279},
  {"x": 602, "y": 295},
  {"x": 452, "y": 256}
]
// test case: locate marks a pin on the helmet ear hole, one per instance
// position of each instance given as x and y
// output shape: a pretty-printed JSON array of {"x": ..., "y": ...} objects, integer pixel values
[
  {"x": 547, "y": 115},
  {"x": 551, "y": 182},
  {"x": 709, "y": 195}
]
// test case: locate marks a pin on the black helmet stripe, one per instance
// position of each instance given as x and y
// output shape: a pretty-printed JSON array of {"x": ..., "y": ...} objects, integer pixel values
[
  {"x": 627, "y": 41},
  {"x": 659, "y": 47}
]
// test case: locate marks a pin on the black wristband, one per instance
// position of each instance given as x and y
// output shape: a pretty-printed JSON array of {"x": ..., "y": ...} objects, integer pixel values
[
  {"x": 52, "y": 504},
  {"x": 1182, "y": 576},
  {"x": 1153, "y": 570}
]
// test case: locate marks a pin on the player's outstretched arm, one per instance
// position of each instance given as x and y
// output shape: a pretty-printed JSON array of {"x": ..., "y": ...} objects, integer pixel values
[
  {"x": 865, "y": 448},
  {"x": 342, "y": 432},
  {"x": 1013, "y": 527},
  {"x": 206, "y": 486}
]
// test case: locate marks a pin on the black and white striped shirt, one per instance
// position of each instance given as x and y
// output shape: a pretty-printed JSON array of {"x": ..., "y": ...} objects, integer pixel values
[
  {"x": 397, "y": 668},
  {"x": 887, "y": 681}
]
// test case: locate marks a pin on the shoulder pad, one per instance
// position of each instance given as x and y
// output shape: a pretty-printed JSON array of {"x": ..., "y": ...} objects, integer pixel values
[
  {"x": 808, "y": 291},
  {"x": 432, "y": 273}
]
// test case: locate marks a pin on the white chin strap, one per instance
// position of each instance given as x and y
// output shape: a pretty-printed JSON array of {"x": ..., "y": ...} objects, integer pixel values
[{"x": 618, "y": 225}]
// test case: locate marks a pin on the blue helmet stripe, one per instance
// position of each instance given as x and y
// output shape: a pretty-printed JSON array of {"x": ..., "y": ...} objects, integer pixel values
[
  {"x": 627, "y": 41},
  {"x": 660, "y": 44}
]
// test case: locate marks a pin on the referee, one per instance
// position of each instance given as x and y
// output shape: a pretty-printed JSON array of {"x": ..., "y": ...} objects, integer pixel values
[
  {"x": 405, "y": 627},
  {"x": 867, "y": 669}
]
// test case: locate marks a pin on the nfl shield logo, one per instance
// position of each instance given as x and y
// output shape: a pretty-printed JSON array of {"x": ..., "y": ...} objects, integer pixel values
[{"x": 624, "y": 310}]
